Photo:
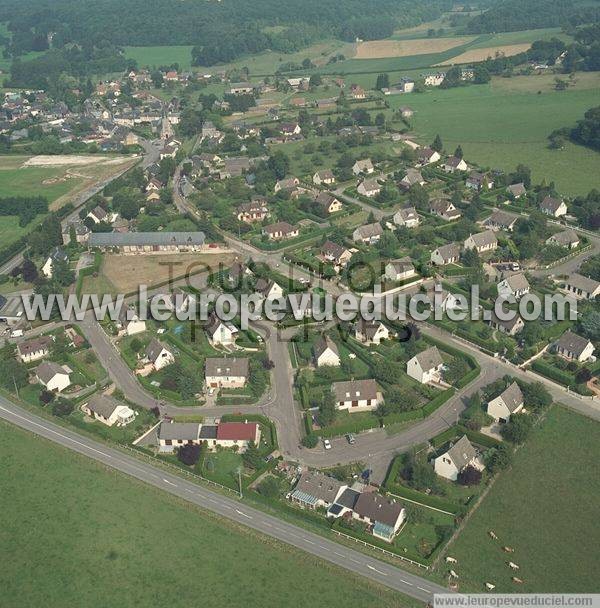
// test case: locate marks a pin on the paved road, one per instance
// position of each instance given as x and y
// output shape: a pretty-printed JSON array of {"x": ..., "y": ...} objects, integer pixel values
[{"x": 357, "y": 563}]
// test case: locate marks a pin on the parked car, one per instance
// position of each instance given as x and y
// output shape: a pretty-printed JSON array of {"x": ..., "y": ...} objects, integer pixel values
[
  {"x": 351, "y": 438},
  {"x": 327, "y": 444}
]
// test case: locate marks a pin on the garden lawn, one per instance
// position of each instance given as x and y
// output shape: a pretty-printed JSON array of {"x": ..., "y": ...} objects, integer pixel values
[
  {"x": 70, "y": 528},
  {"x": 501, "y": 127},
  {"x": 545, "y": 507}
]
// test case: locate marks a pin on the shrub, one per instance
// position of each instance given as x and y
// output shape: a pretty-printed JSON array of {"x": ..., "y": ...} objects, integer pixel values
[
  {"x": 310, "y": 441},
  {"x": 188, "y": 454},
  {"x": 469, "y": 476}
]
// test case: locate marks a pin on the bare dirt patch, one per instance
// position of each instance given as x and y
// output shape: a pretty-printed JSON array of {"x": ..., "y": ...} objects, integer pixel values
[
  {"x": 61, "y": 160},
  {"x": 380, "y": 49},
  {"x": 127, "y": 272},
  {"x": 493, "y": 51}
]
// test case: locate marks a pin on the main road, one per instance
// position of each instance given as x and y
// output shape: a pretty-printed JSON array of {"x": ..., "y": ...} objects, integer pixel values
[{"x": 229, "y": 508}]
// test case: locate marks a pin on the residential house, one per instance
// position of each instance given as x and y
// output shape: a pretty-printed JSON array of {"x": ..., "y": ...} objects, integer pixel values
[
  {"x": 290, "y": 128},
  {"x": 78, "y": 229},
  {"x": 226, "y": 372},
  {"x": 433, "y": 80},
  {"x": 364, "y": 166},
  {"x": 515, "y": 285},
  {"x": 356, "y": 395},
  {"x": 357, "y": 92},
  {"x": 510, "y": 401},
  {"x": 220, "y": 333},
  {"x": 553, "y": 206},
  {"x": 158, "y": 355},
  {"x": 479, "y": 181},
  {"x": 442, "y": 299},
  {"x": 444, "y": 208},
  {"x": 56, "y": 256},
  {"x": 427, "y": 156},
  {"x": 460, "y": 456},
  {"x": 34, "y": 349},
  {"x": 314, "y": 489},
  {"x": 327, "y": 202},
  {"x": 172, "y": 435},
  {"x": 567, "y": 238},
  {"x": 370, "y": 332},
  {"x": 240, "y": 88},
  {"x": 411, "y": 178},
  {"x": 369, "y": 188},
  {"x": 268, "y": 289},
  {"x": 445, "y": 254},
  {"x": 426, "y": 366},
  {"x": 53, "y": 377},
  {"x": 574, "y": 347},
  {"x": 129, "y": 322},
  {"x": 582, "y": 287},
  {"x": 501, "y": 220},
  {"x": 289, "y": 183},
  {"x": 406, "y": 112},
  {"x": 385, "y": 517},
  {"x": 516, "y": 190},
  {"x": 368, "y": 234},
  {"x": 407, "y": 217},
  {"x": 254, "y": 211},
  {"x": 482, "y": 241},
  {"x": 454, "y": 164},
  {"x": 108, "y": 410},
  {"x": 324, "y": 177},
  {"x": 99, "y": 215},
  {"x": 400, "y": 270},
  {"x": 326, "y": 352},
  {"x": 511, "y": 326},
  {"x": 238, "y": 435},
  {"x": 338, "y": 255},
  {"x": 280, "y": 230}
]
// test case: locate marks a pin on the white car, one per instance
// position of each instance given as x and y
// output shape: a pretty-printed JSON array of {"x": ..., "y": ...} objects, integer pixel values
[{"x": 327, "y": 444}]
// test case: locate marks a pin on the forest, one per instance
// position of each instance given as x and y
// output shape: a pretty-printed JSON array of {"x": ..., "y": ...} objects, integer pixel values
[{"x": 219, "y": 31}]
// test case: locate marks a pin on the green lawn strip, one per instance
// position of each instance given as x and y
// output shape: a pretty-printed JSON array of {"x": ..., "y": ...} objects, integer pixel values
[
  {"x": 105, "y": 526},
  {"x": 544, "y": 507}
]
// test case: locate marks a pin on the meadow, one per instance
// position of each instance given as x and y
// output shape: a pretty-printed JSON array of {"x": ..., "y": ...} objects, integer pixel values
[
  {"x": 155, "y": 56},
  {"x": 74, "y": 533},
  {"x": 545, "y": 508},
  {"x": 507, "y": 122}
]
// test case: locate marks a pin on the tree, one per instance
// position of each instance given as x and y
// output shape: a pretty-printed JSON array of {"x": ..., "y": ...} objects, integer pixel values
[
  {"x": 251, "y": 456},
  {"x": 270, "y": 487},
  {"x": 310, "y": 441},
  {"x": 188, "y": 454},
  {"x": 14, "y": 373},
  {"x": 135, "y": 345},
  {"x": 46, "y": 397},
  {"x": 279, "y": 163},
  {"x": 518, "y": 428},
  {"x": 383, "y": 82},
  {"x": 535, "y": 395},
  {"x": 590, "y": 325},
  {"x": 315, "y": 80},
  {"x": 28, "y": 271},
  {"x": 583, "y": 375},
  {"x": 62, "y": 407},
  {"x": 157, "y": 79},
  {"x": 499, "y": 459},
  {"x": 327, "y": 411},
  {"x": 437, "y": 144},
  {"x": 469, "y": 476},
  {"x": 481, "y": 75},
  {"x": 458, "y": 152}
]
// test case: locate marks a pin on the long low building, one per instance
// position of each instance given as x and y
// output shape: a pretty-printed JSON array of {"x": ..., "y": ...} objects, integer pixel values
[{"x": 148, "y": 242}]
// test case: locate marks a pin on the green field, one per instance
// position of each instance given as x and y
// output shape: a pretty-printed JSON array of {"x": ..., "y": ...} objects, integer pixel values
[
  {"x": 545, "y": 508},
  {"x": 155, "y": 56},
  {"x": 508, "y": 122},
  {"x": 76, "y": 534}
]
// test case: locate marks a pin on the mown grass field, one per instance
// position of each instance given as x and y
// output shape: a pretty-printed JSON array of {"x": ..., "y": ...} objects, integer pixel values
[
  {"x": 546, "y": 509},
  {"x": 76, "y": 534},
  {"x": 508, "y": 122},
  {"x": 155, "y": 56}
]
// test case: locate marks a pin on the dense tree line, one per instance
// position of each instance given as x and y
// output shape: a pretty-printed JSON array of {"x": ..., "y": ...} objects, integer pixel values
[
  {"x": 219, "y": 31},
  {"x": 515, "y": 15},
  {"x": 25, "y": 207}
]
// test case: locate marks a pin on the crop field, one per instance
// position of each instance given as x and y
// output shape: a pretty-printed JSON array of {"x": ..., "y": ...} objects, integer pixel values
[
  {"x": 123, "y": 273},
  {"x": 474, "y": 55},
  {"x": 507, "y": 122},
  {"x": 377, "y": 49},
  {"x": 77, "y": 534},
  {"x": 545, "y": 508}
]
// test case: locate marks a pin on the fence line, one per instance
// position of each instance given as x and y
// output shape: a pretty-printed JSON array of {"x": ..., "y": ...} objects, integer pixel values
[{"x": 385, "y": 551}]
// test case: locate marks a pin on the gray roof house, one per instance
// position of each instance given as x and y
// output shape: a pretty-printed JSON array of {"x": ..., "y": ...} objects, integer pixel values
[
  {"x": 572, "y": 346},
  {"x": 315, "y": 489}
]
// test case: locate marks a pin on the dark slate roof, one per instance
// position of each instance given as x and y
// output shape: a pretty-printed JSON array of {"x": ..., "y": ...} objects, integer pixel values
[{"x": 118, "y": 239}]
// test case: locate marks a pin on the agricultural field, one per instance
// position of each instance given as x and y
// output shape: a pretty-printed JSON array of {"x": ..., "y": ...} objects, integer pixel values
[
  {"x": 378, "y": 49},
  {"x": 70, "y": 515},
  {"x": 508, "y": 122},
  {"x": 124, "y": 273},
  {"x": 545, "y": 509},
  {"x": 155, "y": 56},
  {"x": 475, "y": 55}
]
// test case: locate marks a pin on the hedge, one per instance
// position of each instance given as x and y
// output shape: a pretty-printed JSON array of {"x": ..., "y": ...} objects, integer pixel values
[
  {"x": 427, "y": 499},
  {"x": 560, "y": 376},
  {"x": 458, "y": 430},
  {"x": 437, "y": 402},
  {"x": 352, "y": 426}
]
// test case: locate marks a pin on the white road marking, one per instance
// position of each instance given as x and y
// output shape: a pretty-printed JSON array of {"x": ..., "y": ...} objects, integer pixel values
[
  {"x": 169, "y": 482},
  {"x": 242, "y": 514},
  {"x": 422, "y": 589},
  {"x": 406, "y": 583},
  {"x": 310, "y": 542},
  {"x": 375, "y": 570}
]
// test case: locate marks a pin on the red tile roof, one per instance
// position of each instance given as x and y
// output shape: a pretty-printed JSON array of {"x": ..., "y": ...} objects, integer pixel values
[{"x": 237, "y": 431}]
